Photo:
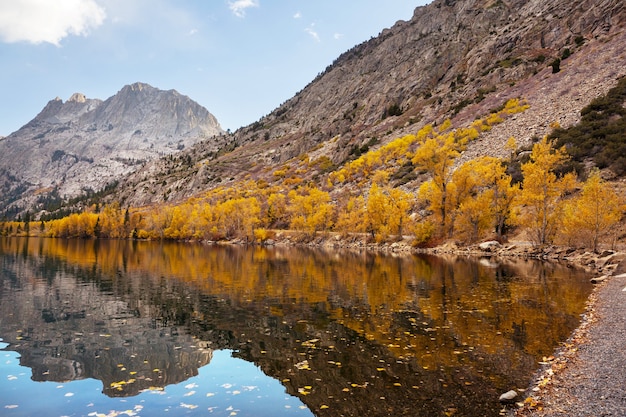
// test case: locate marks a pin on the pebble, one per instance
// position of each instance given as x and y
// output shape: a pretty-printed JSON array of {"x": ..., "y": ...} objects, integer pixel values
[{"x": 508, "y": 396}]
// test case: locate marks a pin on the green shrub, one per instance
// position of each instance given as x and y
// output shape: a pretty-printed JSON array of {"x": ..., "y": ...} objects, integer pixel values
[{"x": 601, "y": 133}]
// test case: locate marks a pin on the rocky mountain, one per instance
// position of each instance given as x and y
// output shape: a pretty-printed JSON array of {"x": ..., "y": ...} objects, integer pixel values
[
  {"x": 454, "y": 59},
  {"x": 82, "y": 145}
]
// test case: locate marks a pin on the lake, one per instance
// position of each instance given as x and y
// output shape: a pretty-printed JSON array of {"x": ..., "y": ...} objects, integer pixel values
[{"x": 109, "y": 328}]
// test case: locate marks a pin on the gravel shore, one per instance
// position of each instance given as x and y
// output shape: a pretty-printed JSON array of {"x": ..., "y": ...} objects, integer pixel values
[{"x": 588, "y": 376}]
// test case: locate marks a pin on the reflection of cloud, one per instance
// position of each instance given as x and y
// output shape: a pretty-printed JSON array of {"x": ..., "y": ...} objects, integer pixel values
[
  {"x": 311, "y": 31},
  {"x": 38, "y": 21},
  {"x": 238, "y": 7}
]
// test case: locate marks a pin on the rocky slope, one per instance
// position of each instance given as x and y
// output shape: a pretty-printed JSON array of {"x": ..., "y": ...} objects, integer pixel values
[
  {"x": 454, "y": 59},
  {"x": 84, "y": 144}
]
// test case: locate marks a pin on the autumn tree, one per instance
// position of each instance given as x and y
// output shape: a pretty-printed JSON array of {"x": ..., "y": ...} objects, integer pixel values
[
  {"x": 351, "y": 216},
  {"x": 543, "y": 191},
  {"x": 592, "y": 215},
  {"x": 501, "y": 192},
  {"x": 436, "y": 156},
  {"x": 310, "y": 209},
  {"x": 276, "y": 212},
  {"x": 387, "y": 211},
  {"x": 238, "y": 217}
]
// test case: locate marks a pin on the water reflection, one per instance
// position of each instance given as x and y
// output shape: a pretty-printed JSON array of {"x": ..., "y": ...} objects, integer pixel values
[{"x": 348, "y": 333}]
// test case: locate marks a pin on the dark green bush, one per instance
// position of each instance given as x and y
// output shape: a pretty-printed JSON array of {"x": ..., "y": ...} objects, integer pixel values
[{"x": 601, "y": 133}]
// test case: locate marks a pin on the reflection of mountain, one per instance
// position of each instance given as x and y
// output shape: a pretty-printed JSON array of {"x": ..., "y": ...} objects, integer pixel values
[
  {"x": 67, "y": 330},
  {"x": 362, "y": 334}
]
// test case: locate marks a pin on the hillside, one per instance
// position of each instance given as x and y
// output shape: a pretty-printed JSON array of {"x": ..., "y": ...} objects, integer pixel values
[
  {"x": 453, "y": 59},
  {"x": 82, "y": 145}
]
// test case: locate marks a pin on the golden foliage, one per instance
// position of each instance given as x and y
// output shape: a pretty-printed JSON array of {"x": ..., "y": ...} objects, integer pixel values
[
  {"x": 542, "y": 194},
  {"x": 592, "y": 215}
]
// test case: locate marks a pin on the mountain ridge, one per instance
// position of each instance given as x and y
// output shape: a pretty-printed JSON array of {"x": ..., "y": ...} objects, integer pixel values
[
  {"x": 453, "y": 59},
  {"x": 82, "y": 145}
]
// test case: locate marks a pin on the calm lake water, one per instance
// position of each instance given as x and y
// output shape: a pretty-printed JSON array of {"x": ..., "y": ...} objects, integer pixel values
[{"x": 108, "y": 328}]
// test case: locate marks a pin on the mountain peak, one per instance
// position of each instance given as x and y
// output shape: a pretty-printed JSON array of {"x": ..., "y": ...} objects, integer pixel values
[
  {"x": 84, "y": 143},
  {"x": 77, "y": 98},
  {"x": 138, "y": 86}
]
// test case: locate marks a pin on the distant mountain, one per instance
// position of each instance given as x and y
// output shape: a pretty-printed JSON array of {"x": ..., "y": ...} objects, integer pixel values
[
  {"x": 454, "y": 59},
  {"x": 82, "y": 145}
]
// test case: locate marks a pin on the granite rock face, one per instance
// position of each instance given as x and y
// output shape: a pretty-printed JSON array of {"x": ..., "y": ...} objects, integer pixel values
[{"x": 452, "y": 59}]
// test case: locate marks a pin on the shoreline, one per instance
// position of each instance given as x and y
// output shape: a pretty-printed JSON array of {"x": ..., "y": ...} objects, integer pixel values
[
  {"x": 559, "y": 386},
  {"x": 584, "y": 376}
]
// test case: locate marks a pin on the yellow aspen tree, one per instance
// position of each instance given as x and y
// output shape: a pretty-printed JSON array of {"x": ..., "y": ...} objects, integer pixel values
[
  {"x": 511, "y": 146},
  {"x": 276, "y": 213},
  {"x": 351, "y": 217},
  {"x": 436, "y": 155},
  {"x": 112, "y": 221},
  {"x": 475, "y": 216},
  {"x": 465, "y": 185},
  {"x": 376, "y": 213},
  {"x": 503, "y": 193},
  {"x": 387, "y": 211},
  {"x": 595, "y": 211},
  {"x": 238, "y": 217},
  {"x": 542, "y": 191},
  {"x": 177, "y": 228},
  {"x": 400, "y": 204},
  {"x": 310, "y": 210}
]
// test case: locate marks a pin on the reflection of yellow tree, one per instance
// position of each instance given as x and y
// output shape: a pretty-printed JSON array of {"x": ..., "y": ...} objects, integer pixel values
[{"x": 412, "y": 306}]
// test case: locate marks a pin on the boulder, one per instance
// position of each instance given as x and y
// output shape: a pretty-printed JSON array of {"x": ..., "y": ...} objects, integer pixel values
[{"x": 489, "y": 245}]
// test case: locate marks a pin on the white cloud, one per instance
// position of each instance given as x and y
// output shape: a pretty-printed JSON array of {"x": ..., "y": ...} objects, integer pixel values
[
  {"x": 311, "y": 31},
  {"x": 38, "y": 21},
  {"x": 338, "y": 36},
  {"x": 298, "y": 15},
  {"x": 238, "y": 7}
]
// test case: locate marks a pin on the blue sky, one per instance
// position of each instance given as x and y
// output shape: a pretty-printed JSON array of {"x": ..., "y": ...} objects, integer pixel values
[{"x": 238, "y": 58}]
